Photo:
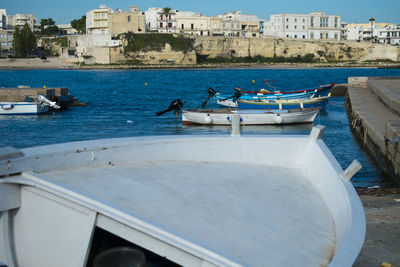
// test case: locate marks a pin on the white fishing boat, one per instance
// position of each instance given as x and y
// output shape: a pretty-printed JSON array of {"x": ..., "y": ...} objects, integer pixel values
[
  {"x": 181, "y": 201},
  {"x": 248, "y": 116},
  {"x": 40, "y": 106}
]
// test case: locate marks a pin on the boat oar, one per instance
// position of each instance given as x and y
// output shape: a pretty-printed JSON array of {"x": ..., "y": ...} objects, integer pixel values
[
  {"x": 211, "y": 93},
  {"x": 175, "y": 106}
]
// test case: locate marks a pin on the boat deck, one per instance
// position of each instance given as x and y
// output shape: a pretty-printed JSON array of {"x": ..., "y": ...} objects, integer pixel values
[{"x": 264, "y": 215}]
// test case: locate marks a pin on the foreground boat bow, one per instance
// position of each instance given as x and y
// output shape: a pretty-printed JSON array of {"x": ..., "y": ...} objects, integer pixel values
[{"x": 193, "y": 200}]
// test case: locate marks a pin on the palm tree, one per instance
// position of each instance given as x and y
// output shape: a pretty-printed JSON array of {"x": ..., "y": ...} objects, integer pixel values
[
  {"x": 165, "y": 12},
  {"x": 372, "y": 20}
]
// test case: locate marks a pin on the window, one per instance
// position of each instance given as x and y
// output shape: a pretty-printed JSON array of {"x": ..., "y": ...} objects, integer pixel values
[
  {"x": 312, "y": 21},
  {"x": 287, "y": 35},
  {"x": 304, "y": 37},
  {"x": 192, "y": 26},
  {"x": 323, "y": 21},
  {"x": 320, "y": 36},
  {"x": 169, "y": 25},
  {"x": 161, "y": 24},
  {"x": 336, "y": 22},
  {"x": 215, "y": 25},
  {"x": 295, "y": 19},
  {"x": 182, "y": 26},
  {"x": 287, "y": 26},
  {"x": 295, "y": 26},
  {"x": 287, "y": 19},
  {"x": 312, "y": 35},
  {"x": 336, "y": 36},
  {"x": 304, "y": 20},
  {"x": 295, "y": 36},
  {"x": 129, "y": 18}
]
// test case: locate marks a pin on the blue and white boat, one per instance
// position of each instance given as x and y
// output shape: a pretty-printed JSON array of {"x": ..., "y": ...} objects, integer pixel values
[{"x": 264, "y": 95}]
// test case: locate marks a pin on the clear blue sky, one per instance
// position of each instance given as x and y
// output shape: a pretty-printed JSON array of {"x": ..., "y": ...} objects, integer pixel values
[{"x": 354, "y": 11}]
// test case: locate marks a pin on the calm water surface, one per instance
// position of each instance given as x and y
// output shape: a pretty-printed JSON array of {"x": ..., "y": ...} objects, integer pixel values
[{"x": 121, "y": 105}]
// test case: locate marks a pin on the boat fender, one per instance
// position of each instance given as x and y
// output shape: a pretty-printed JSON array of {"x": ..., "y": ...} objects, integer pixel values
[
  {"x": 7, "y": 106},
  {"x": 207, "y": 119},
  {"x": 278, "y": 119}
]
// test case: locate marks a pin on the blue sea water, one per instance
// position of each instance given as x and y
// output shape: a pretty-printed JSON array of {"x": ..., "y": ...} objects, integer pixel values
[{"x": 122, "y": 103}]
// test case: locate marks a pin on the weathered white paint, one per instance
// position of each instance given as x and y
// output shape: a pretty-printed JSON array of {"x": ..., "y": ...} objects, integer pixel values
[{"x": 210, "y": 200}]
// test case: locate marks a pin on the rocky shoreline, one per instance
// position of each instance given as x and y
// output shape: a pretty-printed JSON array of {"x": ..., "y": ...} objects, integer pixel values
[{"x": 56, "y": 63}]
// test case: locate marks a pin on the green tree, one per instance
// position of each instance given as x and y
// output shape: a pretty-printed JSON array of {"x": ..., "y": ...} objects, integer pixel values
[
  {"x": 48, "y": 27},
  {"x": 24, "y": 41},
  {"x": 79, "y": 24}
]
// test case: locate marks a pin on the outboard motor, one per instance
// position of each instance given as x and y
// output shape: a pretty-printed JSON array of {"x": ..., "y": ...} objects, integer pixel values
[
  {"x": 211, "y": 93},
  {"x": 237, "y": 94},
  {"x": 42, "y": 100},
  {"x": 175, "y": 106}
]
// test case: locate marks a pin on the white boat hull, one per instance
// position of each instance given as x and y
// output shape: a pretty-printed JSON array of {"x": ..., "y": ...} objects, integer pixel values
[
  {"x": 248, "y": 117},
  {"x": 195, "y": 200},
  {"x": 22, "y": 108},
  {"x": 227, "y": 103}
]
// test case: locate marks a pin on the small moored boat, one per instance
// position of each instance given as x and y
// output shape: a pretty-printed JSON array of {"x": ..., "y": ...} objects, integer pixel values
[
  {"x": 248, "y": 117},
  {"x": 41, "y": 105},
  {"x": 266, "y": 95}
]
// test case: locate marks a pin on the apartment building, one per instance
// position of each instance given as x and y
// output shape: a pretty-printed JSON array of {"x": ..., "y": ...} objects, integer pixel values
[
  {"x": 386, "y": 33},
  {"x": 230, "y": 24},
  {"x": 287, "y": 26},
  {"x": 19, "y": 21},
  {"x": 121, "y": 22},
  {"x": 193, "y": 23},
  {"x": 324, "y": 26},
  {"x": 390, "y": 34},
  {"x": 97, "y": 20},
  {"x": 249, "y": 25},
  {"x": 315, "y": 25}
]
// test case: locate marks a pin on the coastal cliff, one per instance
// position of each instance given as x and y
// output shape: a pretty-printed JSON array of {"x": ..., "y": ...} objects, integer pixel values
[{"x": 323, "y": 50}]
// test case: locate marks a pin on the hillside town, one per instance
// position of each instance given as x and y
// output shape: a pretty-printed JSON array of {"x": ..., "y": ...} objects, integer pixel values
[{"x": 103, "y": 28}]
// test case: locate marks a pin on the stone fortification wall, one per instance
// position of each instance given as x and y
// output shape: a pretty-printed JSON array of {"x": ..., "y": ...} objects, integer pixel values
[
  {"x": 165, "y": 56},
  {"x": 322, "y": 50}
]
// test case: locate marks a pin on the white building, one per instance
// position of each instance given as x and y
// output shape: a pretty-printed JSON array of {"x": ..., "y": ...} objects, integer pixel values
[
  {"x": 315, "y": 25},
  {"x": 66, "y": 29},
  {"x": 390, "y": 35},
  {"x": 97, "y": 20},
  {"x": 157, "y": 21},
  {"x": 354, "y": 33},
  {"x": 287, "y": 26},
  {"x": 230, "y": 25}
]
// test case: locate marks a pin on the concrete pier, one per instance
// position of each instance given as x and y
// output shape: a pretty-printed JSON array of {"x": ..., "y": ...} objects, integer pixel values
[
  {"x": 373, "y": 106},
  {"x": 20, "y": 93}
]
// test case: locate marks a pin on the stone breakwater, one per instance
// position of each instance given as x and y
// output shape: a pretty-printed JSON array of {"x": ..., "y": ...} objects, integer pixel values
[{"x": 373, "y": 106}]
